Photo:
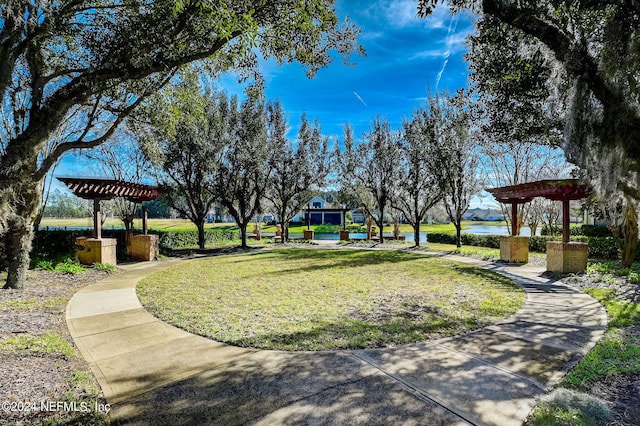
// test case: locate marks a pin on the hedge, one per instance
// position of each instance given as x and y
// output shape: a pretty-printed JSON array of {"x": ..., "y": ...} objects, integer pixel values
[
  {"x": 173, "y": 240},
  {"x": 584, "y": 230},
  {"x": 57, "y": 244},
  {"x": 54, "y": 244},
  {"x": 599, "y": 247}
]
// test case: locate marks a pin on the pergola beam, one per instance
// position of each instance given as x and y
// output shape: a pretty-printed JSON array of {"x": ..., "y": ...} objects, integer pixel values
[
  {"x": 106, "y": 189},
  {"x": 557, "y": 190}
]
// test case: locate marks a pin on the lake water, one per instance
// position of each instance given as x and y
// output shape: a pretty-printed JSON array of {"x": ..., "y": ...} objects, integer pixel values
[{"x": 472, "y": 229}]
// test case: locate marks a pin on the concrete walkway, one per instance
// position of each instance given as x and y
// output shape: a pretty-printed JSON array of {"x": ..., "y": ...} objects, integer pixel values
[{"x": 153, "y": 373}]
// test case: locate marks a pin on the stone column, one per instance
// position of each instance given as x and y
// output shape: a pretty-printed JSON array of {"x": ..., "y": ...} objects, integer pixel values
[
  {"x": 567, "y": 257},
  {"x": 514, "y": 249},
  {"x": 145, "y": 247},
  {"x": 96, "y": 250}
]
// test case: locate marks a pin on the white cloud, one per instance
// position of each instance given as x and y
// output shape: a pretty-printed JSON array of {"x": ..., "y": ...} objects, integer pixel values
[
  {"x": 454, "y": 43},
  {"x": 439, "y": 18},
  {"x": 403, "y": 13}
]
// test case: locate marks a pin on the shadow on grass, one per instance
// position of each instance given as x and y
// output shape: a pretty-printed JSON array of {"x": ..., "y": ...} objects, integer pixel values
[
  {"x": 394, "y": 329},
  {"x": 346, "y": 258},
  {"x": 486, "y": 275},
  {"x": 621, "y": 313},
  {"x": 218, "y": 251}
]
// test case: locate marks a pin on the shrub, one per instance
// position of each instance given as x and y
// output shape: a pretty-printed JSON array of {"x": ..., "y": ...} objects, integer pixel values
[
  {"x": 556, "y": 230},
  {"x": 568, "y": 407},
  {"x": 43, "y": 265},
  {"x": 591, "y": 231},
  {"x": 599, "y": 247},
  {"x": 58, "y": 244},
  {"x": 69, "y": 266},
  {"x": 441, "y": 238},
  {"x": 491, "y": 241},
  {"x": 106, "y": 267},
  {"x": 539, "y": 243},
  {"x": 328, "y": 229},
  {"x": 582, "y": 230},
  {"x": 355, "y": 227},
  {"x": 174, "y": 240}
]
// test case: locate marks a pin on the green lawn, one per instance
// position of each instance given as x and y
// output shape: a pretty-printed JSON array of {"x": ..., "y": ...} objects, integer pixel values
[
  {"x": 302, "y": 299},
  {"x": 183, "y": 224}
]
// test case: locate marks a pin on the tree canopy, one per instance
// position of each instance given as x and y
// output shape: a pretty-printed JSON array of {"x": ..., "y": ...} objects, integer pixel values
[
  {"x": 298, "y": 168},
  {"x": 454, "y": 159},
  {"x": 417, "y": 189},
  {"x": 179, "y": 131},
  {"x": 371, "y": 169},
  {"x": 591, "y": 47},
  {"x": 93, "y": 62}
]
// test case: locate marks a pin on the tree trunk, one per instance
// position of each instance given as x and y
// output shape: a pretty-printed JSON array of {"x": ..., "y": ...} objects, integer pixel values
[
  {"x": 381, "y": 226},
  {"x": 416, "y": 234},
  {"x": 627, "y": 234},
  {"x": 243, "y": 235},
  {"x": 458, "y": 226},
  {"x": 19, "y": 205},
  {"x": 18, "y": 238},
  {"x": 201, "y": 236},
  {"x": 285, "y": 232}
]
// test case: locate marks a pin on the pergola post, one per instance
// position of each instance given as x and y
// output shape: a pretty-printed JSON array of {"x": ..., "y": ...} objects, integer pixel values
[
  {"x": 308, "y": 234},
  {"x": 514, "y": 219},
  {"x": 97, "y": 220},
  {"x": 145, "y": 217},
  {"x": 566, "y": 232}
]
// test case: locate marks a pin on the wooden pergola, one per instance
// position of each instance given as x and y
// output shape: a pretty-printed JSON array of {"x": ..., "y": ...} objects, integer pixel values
[
  {"x": 563, "y": 190},
  {"x": 97, "y": 189}
]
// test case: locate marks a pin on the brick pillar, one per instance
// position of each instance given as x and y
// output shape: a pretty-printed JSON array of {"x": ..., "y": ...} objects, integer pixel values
[
  {"x": 567, "y": 257},
  {"x": 514, "y": 249}
]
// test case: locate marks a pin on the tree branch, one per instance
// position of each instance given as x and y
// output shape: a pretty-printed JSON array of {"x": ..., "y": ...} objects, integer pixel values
[{"x": 80, "y": 144}]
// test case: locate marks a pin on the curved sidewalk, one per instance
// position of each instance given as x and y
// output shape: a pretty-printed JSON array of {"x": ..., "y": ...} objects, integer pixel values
[{"x": 154, "y": 373}]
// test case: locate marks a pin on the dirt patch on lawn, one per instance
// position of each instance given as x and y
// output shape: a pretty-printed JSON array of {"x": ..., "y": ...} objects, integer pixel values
[{"x": 41, "y": 370}]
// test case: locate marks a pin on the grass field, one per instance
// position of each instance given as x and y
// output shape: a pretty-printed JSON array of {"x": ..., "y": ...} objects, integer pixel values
[
  {"x": 183, "y": 224},
  {"x": 301, "y": 299}
]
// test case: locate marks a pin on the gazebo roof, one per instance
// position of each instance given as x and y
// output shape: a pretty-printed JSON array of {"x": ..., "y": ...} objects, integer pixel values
[
  {"x": 107, "y": 189},
  {"x": 552, "y": 189}
]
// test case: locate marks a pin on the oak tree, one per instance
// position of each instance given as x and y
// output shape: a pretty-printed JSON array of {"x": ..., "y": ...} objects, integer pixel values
[
  {"x": 417, "y": 189},
  {"x": 299, "y": 168}
]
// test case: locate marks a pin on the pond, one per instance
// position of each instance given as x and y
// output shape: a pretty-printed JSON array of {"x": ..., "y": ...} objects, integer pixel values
[{"x": 472, "y": 229}]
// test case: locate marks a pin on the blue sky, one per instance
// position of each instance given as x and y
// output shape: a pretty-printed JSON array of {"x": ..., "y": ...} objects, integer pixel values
[{"x": 406, "y": 57}]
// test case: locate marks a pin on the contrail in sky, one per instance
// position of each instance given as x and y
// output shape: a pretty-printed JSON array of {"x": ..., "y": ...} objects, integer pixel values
[
  {"x": 360, "y": 99},
  {"x": 453, "y": 24}
]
